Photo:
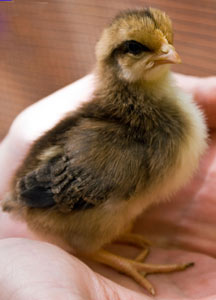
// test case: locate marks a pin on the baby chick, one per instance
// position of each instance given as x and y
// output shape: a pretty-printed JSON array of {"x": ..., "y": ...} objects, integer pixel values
[{"x": 135, "y": 143}]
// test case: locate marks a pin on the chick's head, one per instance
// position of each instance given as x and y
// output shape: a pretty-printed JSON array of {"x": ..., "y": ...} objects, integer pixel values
[{"x": 138, "y": 44}]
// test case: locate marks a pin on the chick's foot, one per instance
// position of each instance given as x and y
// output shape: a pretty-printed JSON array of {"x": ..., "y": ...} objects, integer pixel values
[
  {"x": 135, "y": 269},
  {"x": 138, "y": 241}
]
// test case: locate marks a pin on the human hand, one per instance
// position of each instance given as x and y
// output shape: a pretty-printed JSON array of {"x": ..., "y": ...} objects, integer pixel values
[
  {"x": 33, "y": 270},
  {"x": 178, "y": 223}
]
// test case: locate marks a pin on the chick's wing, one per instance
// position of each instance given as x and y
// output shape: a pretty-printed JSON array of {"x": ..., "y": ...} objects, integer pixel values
[{"x": 95, "y": 164}]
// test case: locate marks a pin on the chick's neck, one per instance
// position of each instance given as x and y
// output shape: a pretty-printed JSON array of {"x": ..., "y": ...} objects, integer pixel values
[
  {"x": 134, "y": 104},
  {"x": 112, "y": 87}
]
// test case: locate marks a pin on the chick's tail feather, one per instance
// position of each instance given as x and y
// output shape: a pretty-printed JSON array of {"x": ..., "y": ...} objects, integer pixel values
[{"x": 8, "y": 204}]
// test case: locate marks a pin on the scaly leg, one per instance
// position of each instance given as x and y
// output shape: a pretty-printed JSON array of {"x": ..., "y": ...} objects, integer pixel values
[
  {"x": 134, "y": 268},
  {"x": 138, "y": 241}
]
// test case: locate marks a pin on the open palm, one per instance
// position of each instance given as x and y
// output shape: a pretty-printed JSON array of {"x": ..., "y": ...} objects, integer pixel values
[{"x": 182, "y": 230}]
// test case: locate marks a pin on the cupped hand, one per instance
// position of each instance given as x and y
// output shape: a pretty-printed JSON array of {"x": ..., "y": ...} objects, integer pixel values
[{"x": 32, "y": 269}]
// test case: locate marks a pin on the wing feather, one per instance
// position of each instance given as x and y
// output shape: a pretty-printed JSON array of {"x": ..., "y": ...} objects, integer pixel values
[{"x": 60, "y": 183}]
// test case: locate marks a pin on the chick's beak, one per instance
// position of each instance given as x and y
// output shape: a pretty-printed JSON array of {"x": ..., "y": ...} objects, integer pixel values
[{"x": 167, "y": 55}]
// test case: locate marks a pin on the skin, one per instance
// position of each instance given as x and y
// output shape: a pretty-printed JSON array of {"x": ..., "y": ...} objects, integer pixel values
[{"x": 34, "y": 269}]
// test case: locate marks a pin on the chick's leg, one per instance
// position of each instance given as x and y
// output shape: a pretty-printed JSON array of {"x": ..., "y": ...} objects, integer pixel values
[
  {"x": 138, "y": 241},
  {"x": 135, "y": 269}
]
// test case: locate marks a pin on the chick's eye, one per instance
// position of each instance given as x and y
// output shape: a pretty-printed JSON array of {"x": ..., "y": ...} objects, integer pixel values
[{"x": 135, "y": 48}]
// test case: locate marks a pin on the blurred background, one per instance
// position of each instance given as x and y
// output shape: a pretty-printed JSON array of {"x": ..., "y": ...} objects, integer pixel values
[{"x": 45, "y": 45}]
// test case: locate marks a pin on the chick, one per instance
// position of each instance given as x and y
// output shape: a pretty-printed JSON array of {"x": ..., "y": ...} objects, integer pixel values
[{"x": 134, "y": 144}]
